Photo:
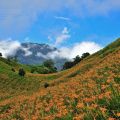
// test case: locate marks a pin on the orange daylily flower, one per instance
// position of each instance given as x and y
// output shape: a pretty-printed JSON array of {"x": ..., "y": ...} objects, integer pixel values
[{"x": 80, "y": 105}]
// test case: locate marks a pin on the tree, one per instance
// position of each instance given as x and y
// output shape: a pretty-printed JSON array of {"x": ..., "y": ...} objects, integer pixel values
[
  {"x": 77, "y": 59},
  {"x": 68, "y": 65},
  {"x": 0, "y": 54},
  {"x": 84, "y": 55},
  {"x": 48, "y": 63}
]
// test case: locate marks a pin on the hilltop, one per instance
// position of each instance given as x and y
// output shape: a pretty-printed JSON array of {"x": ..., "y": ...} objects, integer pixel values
[{"x": 88, "y": 91}]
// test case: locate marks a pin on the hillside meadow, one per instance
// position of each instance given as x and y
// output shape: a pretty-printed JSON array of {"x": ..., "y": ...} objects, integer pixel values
[{"x": 88, "y": 91}]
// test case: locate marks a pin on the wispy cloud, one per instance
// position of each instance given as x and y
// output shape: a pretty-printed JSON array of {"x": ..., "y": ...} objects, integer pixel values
[
  {"x": 64, "y": 35},
  {"x": 19, "y": 15},
  {"x": 62, "y": 18}
]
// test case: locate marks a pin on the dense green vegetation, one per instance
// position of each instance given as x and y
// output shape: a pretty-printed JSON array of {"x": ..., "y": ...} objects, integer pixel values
[{"x": 76, "y": 60}]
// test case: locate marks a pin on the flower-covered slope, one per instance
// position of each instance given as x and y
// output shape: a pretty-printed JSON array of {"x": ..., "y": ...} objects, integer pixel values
[{"x": 88, "y": 91}]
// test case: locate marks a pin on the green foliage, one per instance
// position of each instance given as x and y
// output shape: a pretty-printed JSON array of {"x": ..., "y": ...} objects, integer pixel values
[
  {"x": 69, "y": 116},
  {"x": 74, "y": 74},
  {"x": 76, "y": 60},
  {"x": 84, "y": 55},
  {"x": 13, "y": 69},
  {"x": 0, "y": 54},
  {"x": 112, "y": 105},
  {"x": 48, "y": 63},
  {"x": 109, "y": 49},
  {"x": 46, "y": 68},
  {"x": 117, "y": 80},
  {"x": 67, "y": 65},
  {"x": 4, "y": 108},
  {"x": 46, "y": 85},
  {"x": 21, "y": 72},
  {"x": 16, "y": 116}
]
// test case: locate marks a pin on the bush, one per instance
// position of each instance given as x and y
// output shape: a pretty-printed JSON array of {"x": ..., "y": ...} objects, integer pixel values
[
  {"x": 33, "y": 70},
  {"x": 77, "y": 59},
  {"x": 0, "y": 54},
  {"x": 21, "y": 72},
  {"x": 46, "y": 85},
  {"x": 84, "y": 55},
  {"x": 13, "y": 69}
]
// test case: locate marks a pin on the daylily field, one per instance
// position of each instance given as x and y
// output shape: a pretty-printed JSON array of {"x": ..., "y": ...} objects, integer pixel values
[{"x": 88, "y": 91}]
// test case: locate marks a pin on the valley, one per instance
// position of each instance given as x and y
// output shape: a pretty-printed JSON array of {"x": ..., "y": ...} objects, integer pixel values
[{"x": 87, "y": 91}]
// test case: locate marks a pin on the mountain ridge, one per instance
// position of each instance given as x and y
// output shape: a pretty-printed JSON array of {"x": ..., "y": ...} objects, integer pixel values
[{"x": 35, "y": 53}]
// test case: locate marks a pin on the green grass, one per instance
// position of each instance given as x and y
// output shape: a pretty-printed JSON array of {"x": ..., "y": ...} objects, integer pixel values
[
  {"x": 117, "y": 80},
  {"x": 69, "y": 116},
  {"x": 5, "y": 108},
  {"x": 108, "y": 49}
]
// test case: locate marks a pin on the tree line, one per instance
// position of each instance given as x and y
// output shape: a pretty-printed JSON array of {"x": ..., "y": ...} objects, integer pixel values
[
  {"x": 48, "y": 66},
  {"x": 76, "y": 60}
]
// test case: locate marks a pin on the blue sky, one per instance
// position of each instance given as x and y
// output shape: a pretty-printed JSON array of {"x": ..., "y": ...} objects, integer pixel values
[{"x": 60, "y": 22}]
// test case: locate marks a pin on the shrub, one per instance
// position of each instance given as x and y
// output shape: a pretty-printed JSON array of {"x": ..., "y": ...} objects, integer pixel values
[
  {"x": 0, "y": 54},
  {"x": 46, "y": 85},
  {"x": 21, "y": 72},
  {"x": 13, "y": 69},
  {"x": 33, "y": 70},
  {"x": 84, "y": 55},
  {"x": 77, "y": 59}
]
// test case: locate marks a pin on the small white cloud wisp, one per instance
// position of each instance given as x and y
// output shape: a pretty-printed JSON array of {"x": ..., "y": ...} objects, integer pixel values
[
  {"x": 62, "y": 18},
  {"x": 63, "y": 36}
]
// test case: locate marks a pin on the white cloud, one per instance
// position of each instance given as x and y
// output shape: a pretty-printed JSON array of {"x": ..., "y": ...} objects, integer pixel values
[
  {"x": 39, "y": 54},
  {"x": 62, "y": 37},
  {"x": 76, "y": 49},
  {"x": 9, "y": 47},
  {"x": 62, "y": 18},
  {"x": 27, "y": 51}
]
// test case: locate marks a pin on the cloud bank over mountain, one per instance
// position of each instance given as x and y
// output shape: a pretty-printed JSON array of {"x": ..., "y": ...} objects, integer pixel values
[
  {"x": 77, "y": 49},
  {"x": 10, "y": 47}
]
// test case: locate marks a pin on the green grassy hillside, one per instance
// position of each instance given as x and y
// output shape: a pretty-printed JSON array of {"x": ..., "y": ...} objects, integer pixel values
[{"x": 88, "y": 91}]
